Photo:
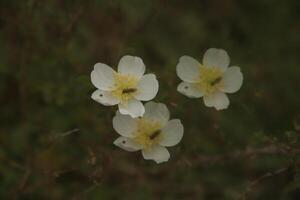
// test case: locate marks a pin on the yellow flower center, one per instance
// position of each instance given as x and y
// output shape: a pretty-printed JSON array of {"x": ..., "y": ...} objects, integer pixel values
[
  {"x": 125, "y": 87},
  {"x": 210, "y": 79},
  {"x": 148, "y": 133}
]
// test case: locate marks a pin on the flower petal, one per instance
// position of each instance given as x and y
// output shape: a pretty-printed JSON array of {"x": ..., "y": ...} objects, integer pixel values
[
  {"x": 124, "y": 125},
  {"x": 127, "y": 144},
  {"x": 157, "y": 112},
  {"x": 219, "y": 100},
  {"x": 147, "y": 87},
  {"x": 134, "y": 108},
  {"x": 158, "y": 154},
  {"x": 188, "y": 69},
  {"x": 189, "y": 90},
  {"x": 216, "y": 58},
  {"x": 232, "y": 80},
  {"x": 131, "y": 65},
  {"x": 172, "y": 133},
  {"x": 102, "y": 77},
  {"x": 105, "y": 98}
]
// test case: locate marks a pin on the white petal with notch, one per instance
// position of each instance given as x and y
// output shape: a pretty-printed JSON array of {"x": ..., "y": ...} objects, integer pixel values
[
  {"x": 131, "y": 65},
  {"x": 127, "y": 144},
  {"x": 102, "y": 77},
  {"x": 232, "y": 80},
  {"x": 134, "y": 108},
  {"x": 157, "y": 112},
  {"x": 218, "y": 100},
  {"x": 147, "y": 88},
  {"x": 216, "y": 58},
  {"x": 189, "y": 90},
  {"x": 157, "y": 153},
  {"x": 105, "y": 98},
  {"x": 124, "y": 125},
  {"x": 188, "y": 69},
  {"x": 172, "y": 133}
]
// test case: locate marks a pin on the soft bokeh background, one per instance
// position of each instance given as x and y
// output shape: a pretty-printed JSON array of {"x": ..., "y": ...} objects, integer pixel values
[{"x": 56, "y": 143}]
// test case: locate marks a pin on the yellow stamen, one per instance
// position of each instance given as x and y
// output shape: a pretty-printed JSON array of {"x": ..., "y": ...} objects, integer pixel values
[
  {"x": 125, "y": 87},
  {"x": 210, "y": 79},
  {"x": 148, "y": 133}
]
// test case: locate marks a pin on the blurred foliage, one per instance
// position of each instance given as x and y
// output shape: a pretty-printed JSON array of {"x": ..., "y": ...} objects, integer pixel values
[{"x": 48, "y": 49}]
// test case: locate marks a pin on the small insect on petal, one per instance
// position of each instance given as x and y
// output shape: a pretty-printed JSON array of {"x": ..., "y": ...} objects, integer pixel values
[
  {"x": 216, "y": 81},
  {"x": 154, "y": 135},
  {"x": 129, "y": 90}
]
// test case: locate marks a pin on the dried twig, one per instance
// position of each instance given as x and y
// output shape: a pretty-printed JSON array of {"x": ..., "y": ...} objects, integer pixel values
[
  {"x": 267, "y": 175},
  {"x": 260, "y": 179},
  {"x": 248, "y": 152},
  {"x": 66, "y": 133},
  {"x": 24, "y": 179}
]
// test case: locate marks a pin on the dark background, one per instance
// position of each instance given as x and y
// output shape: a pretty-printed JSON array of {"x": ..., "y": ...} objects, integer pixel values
[{"x": 56, "y": 143}]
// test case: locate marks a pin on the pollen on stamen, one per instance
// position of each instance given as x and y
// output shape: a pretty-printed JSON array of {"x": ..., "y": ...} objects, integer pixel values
[{"x": 210, "y": 79}]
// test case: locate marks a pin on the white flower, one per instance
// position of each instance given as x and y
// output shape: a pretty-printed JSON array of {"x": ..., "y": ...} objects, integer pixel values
[
  {"x": 151, "y": 133},
  {"x": 127, "y": 87},
  {"x": 210, "y": 80}
]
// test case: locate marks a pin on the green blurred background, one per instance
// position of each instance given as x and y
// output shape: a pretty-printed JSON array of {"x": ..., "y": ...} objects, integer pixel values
[{"x": 56, "y": 143}]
